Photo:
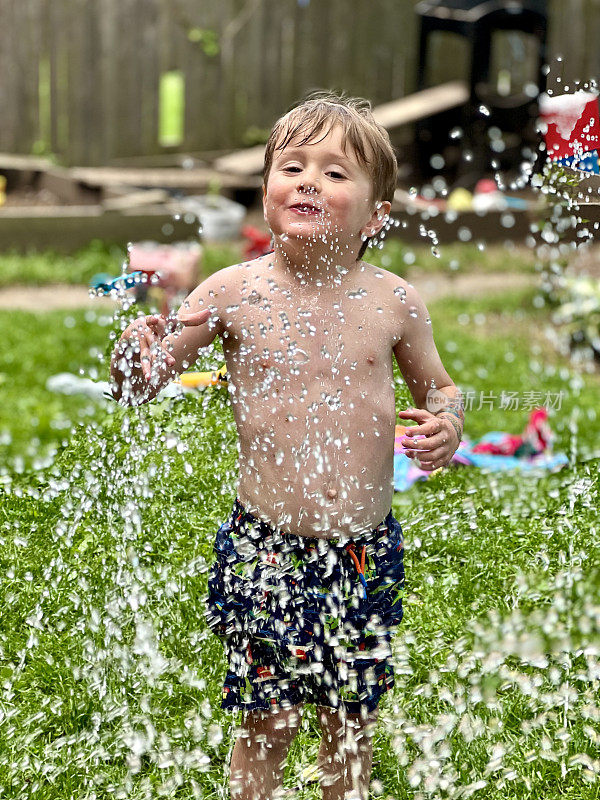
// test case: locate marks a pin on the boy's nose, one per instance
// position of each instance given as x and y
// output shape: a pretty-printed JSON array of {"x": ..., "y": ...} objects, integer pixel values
[{"x": 309, "y": 182}]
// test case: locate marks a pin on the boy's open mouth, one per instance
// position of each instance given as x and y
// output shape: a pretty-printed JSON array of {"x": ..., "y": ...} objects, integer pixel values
[{"x": 306, "y": 208}]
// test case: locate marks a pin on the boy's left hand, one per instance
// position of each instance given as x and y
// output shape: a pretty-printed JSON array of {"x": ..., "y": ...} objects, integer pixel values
[{"x": 440, "y": 439}]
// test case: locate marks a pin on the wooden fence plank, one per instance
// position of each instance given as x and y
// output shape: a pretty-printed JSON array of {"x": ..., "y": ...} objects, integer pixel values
[
  {"x": 79, "y": 97},
  {"x": 203, "y": 78},
  {"x": 288, "y": 55},
  {"x": 132, "y": 45},
  {"x": 56, "y": 83},
  {"x": 108, "y": 135},
  {"x": 228, "y": 11},
  {"x": 359, "y": 61},
  {"x": 7, "y": 80},
  {"x": 127, "y": 79},
  {"x": 340, "y": 47},
  {"x": 30, "y": 44},
  {"x": 14, "y": 52},
  {"x": 92, "y": 103},
  {"x": 317, "y": 63},
  {"x": 270, "y": 102},
  {"x": 19, "y": 137},
  {"x": 149, "y": 77},
  {"x": 401, "y": 44},
  {"x": 254, "y": 56},
  {"x": 301, "y": 64}
]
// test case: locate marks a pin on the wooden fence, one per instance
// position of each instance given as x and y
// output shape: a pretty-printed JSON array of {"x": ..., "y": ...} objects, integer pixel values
[{"x": 83, "y": 78}]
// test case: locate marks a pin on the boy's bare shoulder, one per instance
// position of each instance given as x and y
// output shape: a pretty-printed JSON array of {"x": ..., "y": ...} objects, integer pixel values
[
  {"x": 226, "y": 278},
  {"x": 235, "y": 277},
  {"x": 223, "y": 291},
  {"x": 395, "y": 285},
  {"x": 223, "y": 284}
]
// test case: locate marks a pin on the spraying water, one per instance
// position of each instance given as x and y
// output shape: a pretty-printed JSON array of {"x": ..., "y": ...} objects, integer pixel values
[{"x": 111, "y": 679}]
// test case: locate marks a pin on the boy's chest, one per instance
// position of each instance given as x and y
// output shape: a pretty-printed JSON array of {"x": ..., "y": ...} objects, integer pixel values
[{"x": 312, "y": 335}]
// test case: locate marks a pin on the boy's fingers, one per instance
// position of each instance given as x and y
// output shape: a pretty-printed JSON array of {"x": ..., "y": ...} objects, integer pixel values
[
  {"x": 158, "y": 325},
  {"x": 169, "y": 356},
  {"x": 416, "y": 414},
  {"x": 429, "y": 427},
  {"x": 146, "y": 342},
  {"x": 430, "y": 438},
  {"x": 419, "y": 444},
  {"x": 435, "y": 456},
  {"x": 416, "y": 430},
  {"x": 429, "y": 464},
  {"x": 412, "y": 413},
  {"x": 136, "y": 330}
]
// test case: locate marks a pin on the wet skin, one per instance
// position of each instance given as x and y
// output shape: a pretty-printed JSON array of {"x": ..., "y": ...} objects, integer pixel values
[
  {"x": 309, "y": 334},
  {"x": 322, "y": 463}
]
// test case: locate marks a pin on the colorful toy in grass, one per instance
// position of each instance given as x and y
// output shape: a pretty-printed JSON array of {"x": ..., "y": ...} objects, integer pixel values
[
  {"x": 67, "y": 383},
  {"x": 496, "y": 451},
  {"x": 104, "y": 284},
  {"x": 200, "y": 380},
  {"x": 173, "y": 269},
  {"x": 537, "y": 438}
]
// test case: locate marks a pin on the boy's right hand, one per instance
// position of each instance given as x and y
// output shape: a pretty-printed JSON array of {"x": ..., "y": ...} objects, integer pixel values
[{"x": 148, "y": 332}]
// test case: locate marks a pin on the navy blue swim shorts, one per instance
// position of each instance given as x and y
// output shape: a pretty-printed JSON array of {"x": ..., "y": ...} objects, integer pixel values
[{"x": 305, "y": 619}]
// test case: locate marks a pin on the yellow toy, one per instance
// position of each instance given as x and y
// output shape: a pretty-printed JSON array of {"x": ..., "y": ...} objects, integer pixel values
[
  {"x": 460, "y": 200},
  {"x": 199, "y": 380}
]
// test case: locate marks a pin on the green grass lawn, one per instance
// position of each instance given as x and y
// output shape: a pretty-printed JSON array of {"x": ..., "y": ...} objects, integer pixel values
[
  {"x": 35, "y": 269},
  {"x": 48, "y": 267},
  {"x": 110, "y": 681}
]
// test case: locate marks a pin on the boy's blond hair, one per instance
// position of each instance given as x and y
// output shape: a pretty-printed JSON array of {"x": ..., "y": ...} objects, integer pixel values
[{"x": 317, "y": 114}]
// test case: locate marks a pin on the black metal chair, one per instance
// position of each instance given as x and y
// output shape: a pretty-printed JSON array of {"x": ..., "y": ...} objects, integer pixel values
[{"x": 478, "y": 21}]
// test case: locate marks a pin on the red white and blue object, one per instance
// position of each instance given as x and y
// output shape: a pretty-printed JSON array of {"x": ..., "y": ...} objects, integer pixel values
[{"x": 571, "y": 129}]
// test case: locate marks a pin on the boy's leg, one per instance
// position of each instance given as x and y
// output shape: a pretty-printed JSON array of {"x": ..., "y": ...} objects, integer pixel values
[
  {"x": 346, "y": 753},
  {"x": 256, "y": 770}
]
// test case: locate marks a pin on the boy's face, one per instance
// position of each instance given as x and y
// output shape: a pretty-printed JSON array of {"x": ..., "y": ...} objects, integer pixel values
[{"x": 317, "y": 188}]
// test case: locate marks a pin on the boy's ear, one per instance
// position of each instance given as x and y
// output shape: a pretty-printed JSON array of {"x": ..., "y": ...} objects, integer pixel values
[
  {"x": 264, "y": 201},
  {"x": 378, "y": 218}
]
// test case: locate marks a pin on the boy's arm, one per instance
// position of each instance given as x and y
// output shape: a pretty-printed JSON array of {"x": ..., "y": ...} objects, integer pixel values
[
  {"x": 439, "y": 408},
  {"x": 153, "y": 350}
]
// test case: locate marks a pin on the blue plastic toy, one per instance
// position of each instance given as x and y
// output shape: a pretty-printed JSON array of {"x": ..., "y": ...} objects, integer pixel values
[{"x": 103, "y": 284}]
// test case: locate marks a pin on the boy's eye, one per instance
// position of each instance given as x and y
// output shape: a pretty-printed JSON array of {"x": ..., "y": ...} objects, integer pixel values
[
  {"x": 291, "y": 169},
  {"x": 335, "y": 174}
]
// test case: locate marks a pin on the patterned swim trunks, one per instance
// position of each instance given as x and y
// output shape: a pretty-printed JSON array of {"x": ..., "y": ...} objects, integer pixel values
[{"x": 305, "y": 619}]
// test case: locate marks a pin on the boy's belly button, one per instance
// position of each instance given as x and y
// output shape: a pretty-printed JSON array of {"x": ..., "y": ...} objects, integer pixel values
[{"x": 331, "y": 493}]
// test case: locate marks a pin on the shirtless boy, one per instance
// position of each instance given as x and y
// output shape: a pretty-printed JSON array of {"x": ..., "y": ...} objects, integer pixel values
[{"x": 307, "y": 583}]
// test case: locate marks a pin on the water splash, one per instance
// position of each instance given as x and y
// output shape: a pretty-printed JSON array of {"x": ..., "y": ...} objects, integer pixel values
[{"x": 110, "y": 679}]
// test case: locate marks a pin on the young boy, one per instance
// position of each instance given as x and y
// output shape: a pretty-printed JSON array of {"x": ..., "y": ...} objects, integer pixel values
[{"x": 307, "y": 583}]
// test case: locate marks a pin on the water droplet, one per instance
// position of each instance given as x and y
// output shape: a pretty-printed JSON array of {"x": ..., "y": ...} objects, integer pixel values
[{"x": 437, "y": 161}]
